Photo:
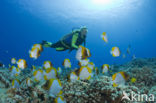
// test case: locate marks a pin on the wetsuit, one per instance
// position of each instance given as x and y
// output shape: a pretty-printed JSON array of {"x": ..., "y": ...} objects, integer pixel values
[{"x": 70, "y": 41}]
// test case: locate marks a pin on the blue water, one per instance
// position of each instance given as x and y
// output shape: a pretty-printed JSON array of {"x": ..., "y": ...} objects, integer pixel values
[{"x": 26, "y": 22}]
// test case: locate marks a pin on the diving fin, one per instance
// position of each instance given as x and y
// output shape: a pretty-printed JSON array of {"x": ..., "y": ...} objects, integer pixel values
[{"x": 46, "y": 43}]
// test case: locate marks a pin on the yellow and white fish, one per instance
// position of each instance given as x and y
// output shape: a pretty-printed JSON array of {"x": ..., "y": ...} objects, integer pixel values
[
  {"x": 96, "y": 71},
  {"x": 39, "y": 46},
  {"x": 104, "y": 37},
  {"x": 38, "y": 75},
  {"x": 133, "y": 57},
  {"x": 67, "y": 63},
  {"x": 133, "y": 80},
  {"x": 105, "y": 68},
  {"x": 88, "y": 52},
  {"x": 16, "y": 84},
  {"x": 128, "y": 49},
  {"x": 59, "y": 99},
  {"x": 50, "y": 73},
  {"x": 91, "y": 65},
  {"x": 13, "y": 61},
  {"x": 15, "y": 71},
  {"x": 85, "y": 73},
  {"x": 123, "y": 56},
  {"x": 83, "y": 62},
  {"x": 34, "y": 53},
  {"x": 53, "y": 86},
  {"x": 73, "y": 77},
  {"x": 33, "y": 68},
  {"x": 59, "y": 70},
  {"x": 47, "y": 64},
  {"x": 119, "y": 78},
  {"x": 29, "y": 82},
  {"x": 9, "y": 65},
  {"x": 115, "y": 51},
  {"x": 21, "y": 64},
  {"x": 82, "y": 53}
]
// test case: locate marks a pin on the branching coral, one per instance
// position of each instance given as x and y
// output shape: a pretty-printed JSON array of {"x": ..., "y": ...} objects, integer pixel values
[
  {"x": 145, "y": 76},
  {"x": 4, "y": 78},
  {"x": 99, "y": 90}
]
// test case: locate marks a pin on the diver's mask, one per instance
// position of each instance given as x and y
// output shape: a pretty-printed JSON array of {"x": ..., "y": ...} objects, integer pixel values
[{"x": 84, "y": 31}]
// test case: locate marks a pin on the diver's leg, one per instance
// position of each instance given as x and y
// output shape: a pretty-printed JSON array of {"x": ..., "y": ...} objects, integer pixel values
[
  {"x": 60, "y": 49},
  {"x": 58, "y": 46}
]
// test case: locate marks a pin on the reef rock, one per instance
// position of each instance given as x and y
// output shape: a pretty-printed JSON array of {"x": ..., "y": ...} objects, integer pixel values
[{"x": 99, "y": 90}]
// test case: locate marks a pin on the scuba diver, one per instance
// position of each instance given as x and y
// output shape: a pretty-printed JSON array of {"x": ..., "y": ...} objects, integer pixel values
[{"x": 70, "y": 41}]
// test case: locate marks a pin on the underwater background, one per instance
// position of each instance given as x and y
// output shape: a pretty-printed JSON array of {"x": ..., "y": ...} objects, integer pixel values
[
  {"x": 126, "y": 22},
  {"x": 100, "y": 72}
]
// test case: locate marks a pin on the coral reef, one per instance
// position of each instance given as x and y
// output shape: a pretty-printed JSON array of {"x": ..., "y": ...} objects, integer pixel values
[
  {"x": 153, "y": 91},
  {"x": 98, "y": 89},
  {"x": 4, "y": 78},
  {"x": 145, "y": 76}
]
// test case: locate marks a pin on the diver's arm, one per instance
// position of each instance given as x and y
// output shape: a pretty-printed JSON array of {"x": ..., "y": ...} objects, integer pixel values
[{"x": 74, "y": 40}]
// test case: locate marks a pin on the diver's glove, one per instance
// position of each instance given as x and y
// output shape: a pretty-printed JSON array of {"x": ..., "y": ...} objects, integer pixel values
[{"x": 46, "y": 43}]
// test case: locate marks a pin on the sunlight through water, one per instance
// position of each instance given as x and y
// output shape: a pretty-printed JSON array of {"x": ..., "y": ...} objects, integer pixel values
[
  {"x": 82, "y": 9},
  {"x": 104, "y": 4}
]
